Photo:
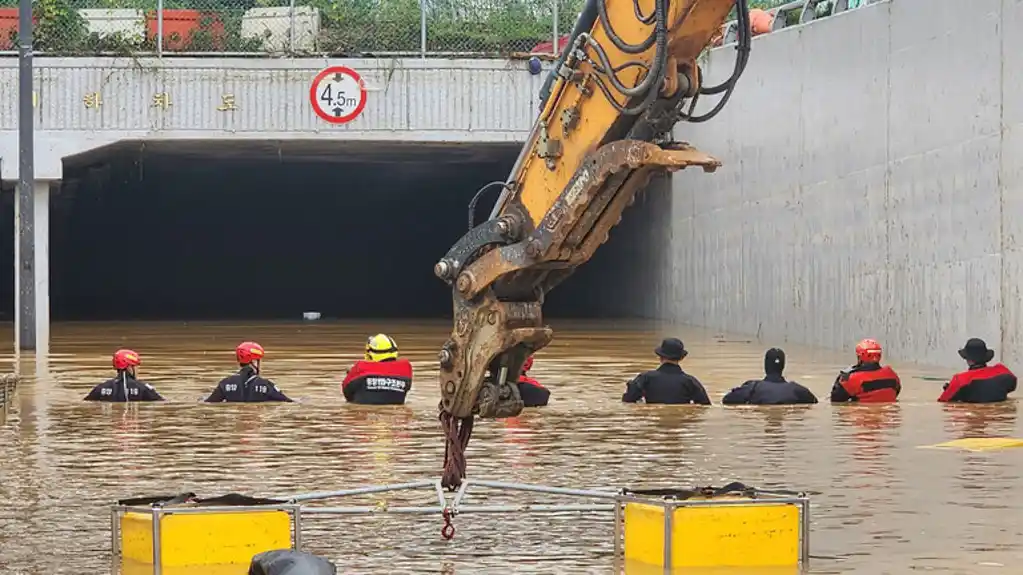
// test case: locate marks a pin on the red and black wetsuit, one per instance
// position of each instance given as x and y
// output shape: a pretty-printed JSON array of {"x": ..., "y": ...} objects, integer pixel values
[
  {"x": 378, "y": 382},
  {"x": 867, "y": 383},
  {"x": 980, "y": 384},
  {"x": 533, "y": 393}
]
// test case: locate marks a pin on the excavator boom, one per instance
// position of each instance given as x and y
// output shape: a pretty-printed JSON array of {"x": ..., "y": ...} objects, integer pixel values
[{"x": 626, "y": 77}]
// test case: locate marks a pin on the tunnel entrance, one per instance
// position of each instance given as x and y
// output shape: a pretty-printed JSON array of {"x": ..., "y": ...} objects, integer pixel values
[{"x": 186, "y": 230}]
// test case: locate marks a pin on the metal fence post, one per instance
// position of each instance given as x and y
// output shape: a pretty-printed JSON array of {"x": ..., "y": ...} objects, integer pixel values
[
  {"x": 159, "y": 28},
  {"x": 554, "y": 45},
  {"x": 291, "y": 31},
  {"x": 422, "y": 29}
]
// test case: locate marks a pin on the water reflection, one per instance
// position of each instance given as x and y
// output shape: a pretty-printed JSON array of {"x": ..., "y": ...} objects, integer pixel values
[
  {"x": 869, "y": 432},
  {"x": 980, "y": 420},
  {"x": 882, "y": 505}
]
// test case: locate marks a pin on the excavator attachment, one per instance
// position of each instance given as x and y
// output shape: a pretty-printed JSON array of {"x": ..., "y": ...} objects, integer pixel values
[{"x": 627, "y": 76}]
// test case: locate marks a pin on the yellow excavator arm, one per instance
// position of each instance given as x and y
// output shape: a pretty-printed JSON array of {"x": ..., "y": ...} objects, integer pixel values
[{"x": 626, "y": 77}]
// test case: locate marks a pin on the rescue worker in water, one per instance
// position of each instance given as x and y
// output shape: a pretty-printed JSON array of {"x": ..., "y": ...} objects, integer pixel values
[
  {"x": 668, "y": 383},
  {"x": 532, "y": 392},
  {"x": 867, "y": 381},
  {"x": 980, "y": 383},
  {"x": 247, "y": 386},
  {"x": 773, "y": 389},
  {"x": 124, "y": 387},
  {"x": 382, "y": 378}
]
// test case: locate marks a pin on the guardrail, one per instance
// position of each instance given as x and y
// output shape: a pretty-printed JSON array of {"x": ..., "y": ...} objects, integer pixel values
[{"x": 790, "y": 14}]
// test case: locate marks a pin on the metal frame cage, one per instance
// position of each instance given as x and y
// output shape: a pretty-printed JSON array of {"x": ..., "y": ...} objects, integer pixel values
[{"x": 450, "y": 507}]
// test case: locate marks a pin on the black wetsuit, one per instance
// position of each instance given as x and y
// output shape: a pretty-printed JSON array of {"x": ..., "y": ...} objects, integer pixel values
[
  {"x": 288, "y": 562},
  {"x": 666, "y": 384},
  {"x": 123, "y": 388},
  {"x": 774, "y": 389},
  {"x": 246, "y": 386}
]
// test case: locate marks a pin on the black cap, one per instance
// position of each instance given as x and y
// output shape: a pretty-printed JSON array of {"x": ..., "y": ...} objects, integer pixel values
[
  {"x": 671, "y": 348},
  {"x": 976, "y": 351},
  {"x": 774, "y": 361}
]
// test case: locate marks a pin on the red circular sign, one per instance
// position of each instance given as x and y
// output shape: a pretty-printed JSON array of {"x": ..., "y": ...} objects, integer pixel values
[{"x": 338, "y": 94}]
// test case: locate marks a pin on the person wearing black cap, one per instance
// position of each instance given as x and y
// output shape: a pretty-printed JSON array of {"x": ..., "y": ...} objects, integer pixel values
[
  {"x": 773, "y": 389},
  {"x": 668, "y": 383},
  {"x": 980, "y": 383}
]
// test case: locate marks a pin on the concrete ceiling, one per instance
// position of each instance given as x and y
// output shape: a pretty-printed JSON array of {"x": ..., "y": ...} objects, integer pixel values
[{"x": 333, "y": 151}]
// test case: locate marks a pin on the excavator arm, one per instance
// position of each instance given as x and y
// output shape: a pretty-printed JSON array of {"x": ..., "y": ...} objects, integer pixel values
[{"x": 627, "y": 76}]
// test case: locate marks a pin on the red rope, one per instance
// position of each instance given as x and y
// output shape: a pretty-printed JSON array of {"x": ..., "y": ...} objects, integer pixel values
[
  {"x": 457, "y": 433},
  {"x": 448, "y": 531}
]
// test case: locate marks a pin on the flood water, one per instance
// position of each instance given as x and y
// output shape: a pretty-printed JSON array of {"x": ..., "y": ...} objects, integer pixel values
[{"x": 880, "y": 505}]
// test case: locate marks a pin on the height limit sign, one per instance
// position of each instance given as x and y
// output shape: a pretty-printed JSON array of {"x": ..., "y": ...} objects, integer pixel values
[{"x": 338, "y": 95}]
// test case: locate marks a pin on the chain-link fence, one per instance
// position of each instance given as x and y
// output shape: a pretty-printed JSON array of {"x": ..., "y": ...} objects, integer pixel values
[{"x": 293, "y": 27}]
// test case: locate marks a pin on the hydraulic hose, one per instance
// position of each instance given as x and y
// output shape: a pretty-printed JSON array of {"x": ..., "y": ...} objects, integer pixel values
[
  {"x": 615, "y": 38},
  {"x": 743, "y": 48},
  {"x": 651, "y": 81},
  {"x": 585, "y": 22},
  {"x": 476, "y": 198}
]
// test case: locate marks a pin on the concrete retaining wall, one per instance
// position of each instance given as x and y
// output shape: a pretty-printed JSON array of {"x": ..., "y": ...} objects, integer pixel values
[
  {"x": 86, "y": 103},
  {"x": 871, "y": 187}
]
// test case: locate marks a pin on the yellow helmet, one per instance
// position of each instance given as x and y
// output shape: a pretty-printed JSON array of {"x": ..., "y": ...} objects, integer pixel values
[{"x": 380, "y": 347}]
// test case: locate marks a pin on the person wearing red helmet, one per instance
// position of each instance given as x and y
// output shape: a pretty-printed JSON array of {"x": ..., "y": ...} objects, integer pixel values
[
  {"x": 247, "y": 386},
  {"x": 867, "y": 381},
  {"x": 533, "y": 393},
  {"x": 124, "y": 387},
  {"x": 980, "y": 383}
]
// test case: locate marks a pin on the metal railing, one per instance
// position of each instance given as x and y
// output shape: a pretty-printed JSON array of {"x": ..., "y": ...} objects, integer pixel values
[
  {"x": 449, "y": 507},
  {"x": 785, "y": 14},
  {"x": 293, "y": 27}
]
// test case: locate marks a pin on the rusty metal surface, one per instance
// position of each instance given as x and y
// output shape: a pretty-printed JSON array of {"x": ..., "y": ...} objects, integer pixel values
[
  {"x": 589, "y": 153},
  {"x": 498, "y": 296},
  {"x": 575, "y": 215},
  {"x": 491, "y": 333}
]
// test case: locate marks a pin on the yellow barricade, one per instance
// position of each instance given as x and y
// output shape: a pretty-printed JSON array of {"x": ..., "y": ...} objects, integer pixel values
[
  {"x": 189, "y": 538},
  {"x": 713, "y": 532}
]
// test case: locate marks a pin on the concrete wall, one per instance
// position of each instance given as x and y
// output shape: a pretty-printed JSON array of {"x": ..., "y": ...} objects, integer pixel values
[
  {"x": 409, "y": 100},
  {"x": 871, "y": 186}
]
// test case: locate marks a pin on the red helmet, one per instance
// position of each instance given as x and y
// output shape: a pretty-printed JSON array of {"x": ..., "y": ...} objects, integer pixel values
[
  {"x": 868, "y": 351},
  {"x": 248, "y": 351},
  {"x": 125, "y": 358},
  {"x": 528, "y": 364}
]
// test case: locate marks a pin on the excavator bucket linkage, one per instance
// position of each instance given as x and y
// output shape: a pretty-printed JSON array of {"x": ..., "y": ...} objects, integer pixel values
[{"x": 589, "y": 154}]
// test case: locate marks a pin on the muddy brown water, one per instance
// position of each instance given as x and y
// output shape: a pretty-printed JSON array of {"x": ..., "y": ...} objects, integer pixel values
[{"x": 881, "y": 504}]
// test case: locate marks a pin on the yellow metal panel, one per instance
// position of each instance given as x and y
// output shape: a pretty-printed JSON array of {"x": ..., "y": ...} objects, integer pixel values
[
  {"x": 980, "y": 443},
  {"x": 135, "y": 568},
  {"x": 201, "y": 539},
  {"x": 644, "y": 533},
  {"x": 736, "y": 536},
  {"x": 137, "y": 537},
  {"x": 637, "y": 568},
  {"x": 760, "y": 535}
]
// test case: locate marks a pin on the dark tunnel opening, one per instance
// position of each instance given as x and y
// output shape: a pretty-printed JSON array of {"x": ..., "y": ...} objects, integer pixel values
[{"x": 188, "y": 232}]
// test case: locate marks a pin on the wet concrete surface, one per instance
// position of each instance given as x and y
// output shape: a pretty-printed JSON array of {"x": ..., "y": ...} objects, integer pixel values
[{"x": 880, "y": 504}]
